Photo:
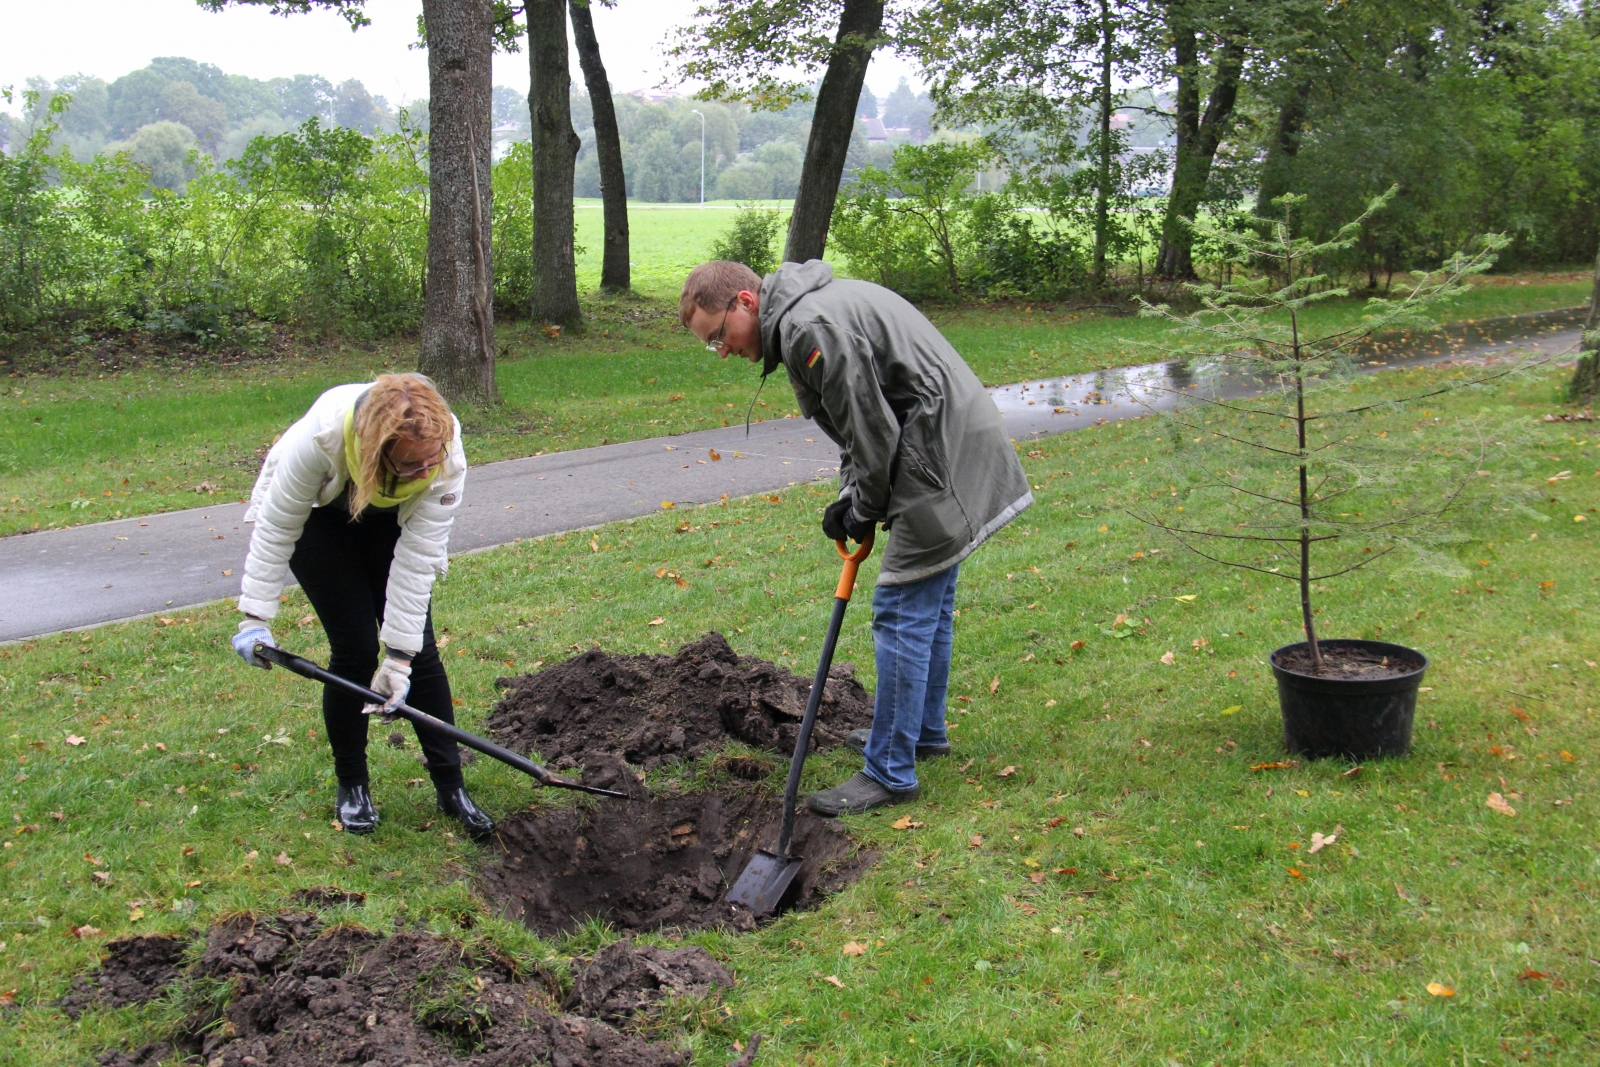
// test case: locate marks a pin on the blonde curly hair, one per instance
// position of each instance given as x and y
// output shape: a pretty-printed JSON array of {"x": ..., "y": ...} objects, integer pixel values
[{"x": 397, "y": 407}]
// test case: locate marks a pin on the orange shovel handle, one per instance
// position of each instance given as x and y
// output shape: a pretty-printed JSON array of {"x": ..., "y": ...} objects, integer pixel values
[{"x": 852, "y": 562}]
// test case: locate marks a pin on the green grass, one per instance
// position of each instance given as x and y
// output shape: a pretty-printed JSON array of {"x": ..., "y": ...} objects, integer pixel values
[
  {"x": 666, "y": 240},
  {"x": 1183, "y": 935},
  {"x": 85, "y": 446}
]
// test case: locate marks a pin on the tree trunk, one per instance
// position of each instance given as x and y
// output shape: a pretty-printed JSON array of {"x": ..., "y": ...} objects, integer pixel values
[
  {"x": 555, "y": 153},
  {"x": 1277, "y": 169},
  {"x": 457, "y": 315},
  {"x": 1197, "y": 137},
  {"x": 615, "y": 274},
  {"x": 832, "y": 124},
  {"x": 1102, "y": 191},
  {"x": 1586, "y": 379}
]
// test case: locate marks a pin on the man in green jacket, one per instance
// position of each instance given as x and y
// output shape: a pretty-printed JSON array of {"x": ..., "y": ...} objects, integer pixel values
[{"x": 923, "y": 450}]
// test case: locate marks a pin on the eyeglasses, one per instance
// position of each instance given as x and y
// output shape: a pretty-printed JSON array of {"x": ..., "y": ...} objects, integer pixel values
[
  {"x": 717, "y": 342},
  {"x": 414, "y": 472}
]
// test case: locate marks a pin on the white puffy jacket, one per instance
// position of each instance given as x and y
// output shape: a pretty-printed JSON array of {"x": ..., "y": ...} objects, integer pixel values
[{"x": 307, "y": 469}]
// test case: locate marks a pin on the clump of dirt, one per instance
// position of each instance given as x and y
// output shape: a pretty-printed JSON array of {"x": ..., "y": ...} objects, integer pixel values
[
  {"x": 626, "y": 982},
  {"x": 652, "y": 710},
  {"x": 645, "y": 864},
  {"x": 304, "y": 995},
  {"x": 327, "y": 896},
  {"x": 135, "y": 970}
]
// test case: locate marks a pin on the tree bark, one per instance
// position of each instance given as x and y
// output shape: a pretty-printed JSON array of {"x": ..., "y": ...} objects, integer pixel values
[
  {"x": 555, "y": 153},
  {"x": 1586, "y": 379},
  {"x": 832, "y": 124},
  {"x": 457, "y": 316},
  {"x": 1277, "y": 169},
  {"x": 1102, "y": 190},
  {"x": 1198, "y": 136},
  {"x": 615, "y": 273}
]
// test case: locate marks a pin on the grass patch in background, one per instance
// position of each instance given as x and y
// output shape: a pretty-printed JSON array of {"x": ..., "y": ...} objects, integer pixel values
[
  {"x": 80, "y": 447},
  {"x": 1179, "y": 926}
]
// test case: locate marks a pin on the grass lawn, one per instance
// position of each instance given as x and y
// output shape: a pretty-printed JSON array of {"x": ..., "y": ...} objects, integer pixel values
[
  {"x": 85, "y": 446},
  {"x": 1177, "y": 916}
]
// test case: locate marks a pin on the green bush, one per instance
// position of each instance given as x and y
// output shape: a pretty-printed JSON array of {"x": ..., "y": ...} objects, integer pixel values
[{"x": 750, "y": 239}]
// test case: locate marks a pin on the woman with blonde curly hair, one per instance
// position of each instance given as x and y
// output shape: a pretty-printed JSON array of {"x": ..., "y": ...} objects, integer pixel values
[{"x": 357, "y": 500}]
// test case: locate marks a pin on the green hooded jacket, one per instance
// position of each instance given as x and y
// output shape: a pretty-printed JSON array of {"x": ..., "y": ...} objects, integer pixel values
[{"x": 923, "y": 447}]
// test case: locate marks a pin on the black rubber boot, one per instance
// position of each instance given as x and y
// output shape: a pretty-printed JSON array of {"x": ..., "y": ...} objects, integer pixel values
[
  {"x": 858, "y": 740},
  {"x": 455, "y": 803},
  {"x": 857, "y": 795},
  {"x": 355, "y": 810}
]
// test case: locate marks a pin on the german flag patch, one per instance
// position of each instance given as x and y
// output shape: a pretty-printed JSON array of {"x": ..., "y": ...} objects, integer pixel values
[{"x": 815, "y": 357}]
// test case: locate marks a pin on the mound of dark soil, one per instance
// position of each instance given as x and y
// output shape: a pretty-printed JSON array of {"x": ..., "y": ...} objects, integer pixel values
[
  {"x": 305, "y": 996},
  {"x": 136, "y": 969},
  {"x": 625, "y": 981},
  {"x": 652, "y": 710},
  {"x": 647, "y": 864}
]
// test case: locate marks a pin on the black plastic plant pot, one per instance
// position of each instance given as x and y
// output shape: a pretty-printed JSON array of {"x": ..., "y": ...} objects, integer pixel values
[{"x": 1333, "y": 714}]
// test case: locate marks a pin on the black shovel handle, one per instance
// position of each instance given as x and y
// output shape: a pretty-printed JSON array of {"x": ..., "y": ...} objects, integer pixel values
[
  {"x": 306, "y": 669},
  {"x": 841, "y": 600}
]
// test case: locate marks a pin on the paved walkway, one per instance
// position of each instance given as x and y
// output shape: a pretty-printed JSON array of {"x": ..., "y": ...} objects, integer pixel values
[{"x": 109, "y": 571}]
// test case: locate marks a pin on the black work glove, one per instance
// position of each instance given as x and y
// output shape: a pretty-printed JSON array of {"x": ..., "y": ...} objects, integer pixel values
[{"x": 838, "y": 523}]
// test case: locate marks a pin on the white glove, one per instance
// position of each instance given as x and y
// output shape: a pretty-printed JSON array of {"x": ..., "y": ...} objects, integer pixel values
[
  {"x": 393, "y": 680},
  {"x": 251, "y": 633}
]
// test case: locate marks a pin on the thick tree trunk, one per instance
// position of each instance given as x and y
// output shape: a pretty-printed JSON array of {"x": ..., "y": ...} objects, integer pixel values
[
  {"x": 555, "y": 152},
  {"x": 1102, "y": 190},
  {"x": 1277, "y": 169},
  {"x": 1198, "y": 136},
  {"x": 457, "y": 315},
  {"x": 1586, "y": 379},
  {"x": 615, "y": 274},
  {"x": 832, "y": 123}
]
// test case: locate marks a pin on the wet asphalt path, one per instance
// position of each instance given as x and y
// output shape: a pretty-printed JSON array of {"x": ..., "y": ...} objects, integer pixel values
[{"x": 110, "y": 571}]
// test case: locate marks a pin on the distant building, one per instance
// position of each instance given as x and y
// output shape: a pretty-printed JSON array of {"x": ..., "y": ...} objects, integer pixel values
[
  {"x": 874, "y": 131},
  {"x": 656, "y": 96}
]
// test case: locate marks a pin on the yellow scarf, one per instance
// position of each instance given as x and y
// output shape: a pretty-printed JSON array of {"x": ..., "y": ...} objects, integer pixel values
[{"x": 393, "y": 491}]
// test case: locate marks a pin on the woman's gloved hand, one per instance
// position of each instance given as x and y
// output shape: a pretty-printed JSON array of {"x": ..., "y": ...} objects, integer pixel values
[
  {"x": 839, "y": 521},
  {"x": 252, "y": 632},
  {"x": 393, "y": 680}
]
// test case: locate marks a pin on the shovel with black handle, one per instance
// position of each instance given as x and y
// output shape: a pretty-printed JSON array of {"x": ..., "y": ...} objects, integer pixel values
[
  {"x": 767, "y": 878},
  {"x": 423, "y": 721}
]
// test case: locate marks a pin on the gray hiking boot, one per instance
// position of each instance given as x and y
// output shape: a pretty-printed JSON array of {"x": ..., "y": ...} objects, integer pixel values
[
  {"x": 858, "y": 740},
  {"x": 857, "y": 795}
]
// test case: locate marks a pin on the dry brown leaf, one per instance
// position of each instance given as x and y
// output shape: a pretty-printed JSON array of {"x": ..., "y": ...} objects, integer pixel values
[
  {"x": 833, "y": 979},
  {"x": 85, "y": 931},
  {"x": 1496, "y": 802},
  {"x": 1319, "y": 842},
  {"x": 282, "y": 859},
  {"x": 1168, "y": 658},
  {"x": 975, "y": 841},
  {"x": 715, "y": 455},
  {"x": 904, "y": 823},
  {"x": 75, "y": 740},
  {"x": 994, "y": 686},
  {"x": 1036, "y": 877},
  {"x": 657, "y": 621},
  {"x": 1276, "y": 765},
  {"x": 854, "y": 948},
  {"x": 1440, "y": 990},
  {"x": 1008, "y": 772}
]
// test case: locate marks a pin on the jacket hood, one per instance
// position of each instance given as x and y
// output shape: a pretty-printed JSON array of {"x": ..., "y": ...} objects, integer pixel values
[{"x": 782, "y": 289}]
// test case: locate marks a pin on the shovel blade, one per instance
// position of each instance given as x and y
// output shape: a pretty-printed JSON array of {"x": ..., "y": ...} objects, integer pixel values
[{"x": 764, "y": 882}]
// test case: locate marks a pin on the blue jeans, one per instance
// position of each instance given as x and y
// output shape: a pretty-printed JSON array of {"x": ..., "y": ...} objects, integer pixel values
[{"x": 911, "y": 637}]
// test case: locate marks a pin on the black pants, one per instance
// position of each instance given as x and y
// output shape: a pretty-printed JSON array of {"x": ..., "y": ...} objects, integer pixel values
[{"x": 343, "y": 567}]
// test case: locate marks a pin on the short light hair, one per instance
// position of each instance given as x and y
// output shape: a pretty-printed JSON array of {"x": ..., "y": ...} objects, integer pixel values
[{"x": 712, "y": 287}]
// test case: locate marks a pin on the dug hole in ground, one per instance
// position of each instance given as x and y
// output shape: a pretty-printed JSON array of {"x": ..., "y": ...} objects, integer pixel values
[{"x": 313, "y": 985}]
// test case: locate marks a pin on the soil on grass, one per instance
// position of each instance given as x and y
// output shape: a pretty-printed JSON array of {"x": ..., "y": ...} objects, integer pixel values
[
  {"x": 654, "y": 710},
  {"x": 301, "y": 994},
  {"x": 648, "y": 864},
  {"x": 136, "y": 969},
  {"x": 1349, "y": 664},
  {"x": 626, "y": 983}
]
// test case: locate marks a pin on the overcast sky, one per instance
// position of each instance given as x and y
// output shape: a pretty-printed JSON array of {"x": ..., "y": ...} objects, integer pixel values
[{"x": 109, "y": 38}]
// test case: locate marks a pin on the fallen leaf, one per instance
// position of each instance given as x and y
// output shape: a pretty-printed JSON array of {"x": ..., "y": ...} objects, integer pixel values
[
  {"x": 1186, "y": 599},
  {"x": 904, "y": 823},
  {"x": 1496, "y": 802},
  {"x": 594, "y": 544},
  {"x": 994, "y": 686},
  {"x": 1294, "y": 872},
  {"x": 1439, "y": 990},
  {"x": 1036, "y": 878},
  {"x": 1567, "y": 757},
  {"x": 1530, "y": 975},
  {"x": 1066, "y": 870},
  {"x": 1031, "y": 861},
  {"x": 1077, "y": 831},
  {"x": 833, "y": 979},
  {"x": 90, "y": 931},
  {"x": 854, "y": 948},
  {"x": 1352, "y": 772},
  {"x": 1076, "y": 645},
  {"x": 75, "y": 740},
  {"x": 975, "y": 841},
  {"x": 1168, "y": 658},
  {"x": 668, "y": 505},
  {"x": 103, "y": 877},
  {"x": 135, "y": 914},
  {"x": 657, "y": 621},
  {"x": 1236, "y": 709},
  {"x": 282, "y": 859},
  {"x": 1318, "y": 842},
  {"x": 1302, "y": 792},
  {"x": 1276, "y": 765},
  {"x": 1519, "y": 713},
  {"x": 715, "y": 455},
  {"x": 1008, "y": 772}
]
